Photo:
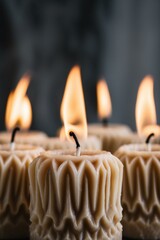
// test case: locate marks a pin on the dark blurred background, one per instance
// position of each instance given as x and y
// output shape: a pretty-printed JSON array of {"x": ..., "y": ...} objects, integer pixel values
[{"x": 117, "y": 40}]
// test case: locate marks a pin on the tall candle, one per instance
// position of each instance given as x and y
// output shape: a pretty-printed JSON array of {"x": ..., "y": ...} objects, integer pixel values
[{"x": 76, "y": 197}]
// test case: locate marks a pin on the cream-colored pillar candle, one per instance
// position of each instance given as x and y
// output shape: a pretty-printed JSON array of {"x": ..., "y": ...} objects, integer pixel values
[
  {"x": 141, "y": 190},
  {"x": 24, "y": 137},
  {"x": 113, "y": 135},
  {"x": 75, "y": 197},
  {"x": 14, "y": 190}
]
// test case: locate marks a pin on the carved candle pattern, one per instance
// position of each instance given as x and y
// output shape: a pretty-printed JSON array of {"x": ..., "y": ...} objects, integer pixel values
[{"x": 76, "y": 197}]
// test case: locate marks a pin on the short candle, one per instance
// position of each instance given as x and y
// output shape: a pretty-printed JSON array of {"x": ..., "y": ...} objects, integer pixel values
[
  {"x": 76, "y": 197},
  {"x": 14, "y": 189},
  {"x": 75, "y": 194},
  {"x": 113, "y": 136},
  {"x": 140, "y": 194}
]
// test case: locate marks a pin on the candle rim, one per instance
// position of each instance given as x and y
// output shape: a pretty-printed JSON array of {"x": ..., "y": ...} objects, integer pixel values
[
  {"x": 56, "y": 154},
  {"x": 5, "y": 148},
  {"x": 111, "y": 125},
  {"x": 114, "y": 130},
  {"x": 140, "y": 149}
]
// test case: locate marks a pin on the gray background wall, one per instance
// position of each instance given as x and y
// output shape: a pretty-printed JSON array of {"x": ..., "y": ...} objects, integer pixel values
[{"x": 118, "y": 40}]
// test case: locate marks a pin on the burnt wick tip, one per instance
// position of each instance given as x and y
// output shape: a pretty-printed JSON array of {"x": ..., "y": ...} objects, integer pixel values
[
  {"x": 104, "y": 121},
  {"x": 15, "y": 130},
  {"x": 72, "y": 134},
  {"x": 149, "y": 138}
]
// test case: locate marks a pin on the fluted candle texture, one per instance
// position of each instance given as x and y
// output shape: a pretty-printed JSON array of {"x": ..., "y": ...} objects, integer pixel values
[
  {"x": 141, "y": 190},
  {"x": 75, "y": 197},
  {"x": 14, "y": 190}
]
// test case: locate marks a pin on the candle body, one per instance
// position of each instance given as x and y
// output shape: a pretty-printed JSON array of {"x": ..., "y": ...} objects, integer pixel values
[
  {"x": 113, "y": 136},
  {"x": 24, "y": 137},
  {"x": 75, "y": 197},
  {"x": 141, "y": 191},
  {"x": 14, "y": 190}
]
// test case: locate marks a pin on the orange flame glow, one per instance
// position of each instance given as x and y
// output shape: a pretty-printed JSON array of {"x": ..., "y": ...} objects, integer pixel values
[
  {"x": 73, "y": 112},
  {"x": 103, "y": 100},
  {"x": 145, "y": 110},
  {"x": 18, "y": 110}
]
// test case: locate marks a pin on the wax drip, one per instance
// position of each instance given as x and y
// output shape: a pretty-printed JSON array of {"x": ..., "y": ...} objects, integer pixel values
[
  {"x": 149, "y": 138},
  {"x": 105, "y": 121},
  {"x": 15, "y": 130},
  {"x": 72, "y": 134}
]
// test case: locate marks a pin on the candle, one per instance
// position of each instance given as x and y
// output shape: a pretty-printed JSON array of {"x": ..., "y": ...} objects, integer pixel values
[
  {"x": 111, "y": 135},
  {"x": 14, "y": 189},
  {"x": 140, "y": 194},
  {"x": 75, "y": 195},
  {"x": 19, "y": 113}
]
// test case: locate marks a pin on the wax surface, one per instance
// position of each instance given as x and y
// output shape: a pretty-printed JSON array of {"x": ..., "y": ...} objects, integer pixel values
[
  {"x": 76, "y": 197},
  {"x": 141, "y": 190},
  {"x": 14, "y": 190},
  {"x": 113, "y": 135}
]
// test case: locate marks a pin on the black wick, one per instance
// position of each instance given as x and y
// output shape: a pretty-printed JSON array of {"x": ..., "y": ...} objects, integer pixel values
[
  {"x": 149, "y": 138},
  {"x": 72, "y": 134},
  {"x": 14, "y": 133},
  {"x": 105, "y": 121}
]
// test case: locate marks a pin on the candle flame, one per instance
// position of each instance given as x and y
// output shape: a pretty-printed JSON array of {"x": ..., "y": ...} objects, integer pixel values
[
  {"x": 73, "y": 112},
  {"x": 145, "y": 110},
  {"x": 18, "y": 109},
  {"x": 103, "y": 100}
]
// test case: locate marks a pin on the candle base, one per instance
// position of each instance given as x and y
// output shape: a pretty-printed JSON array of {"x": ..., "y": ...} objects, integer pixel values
[
  {"x": 76, "y": 197},
  {"x": 74, "y": 236}
]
